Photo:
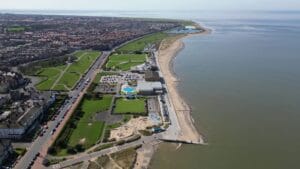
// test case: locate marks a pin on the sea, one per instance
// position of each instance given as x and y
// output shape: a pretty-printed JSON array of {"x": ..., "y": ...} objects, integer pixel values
[{"x": 243, "y": 84}]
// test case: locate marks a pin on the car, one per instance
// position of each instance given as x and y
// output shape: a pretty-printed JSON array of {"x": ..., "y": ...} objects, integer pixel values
[
  {"x": 35, "y": 157},
  {"x": 57, "y": 124},
  {"x": 52, "y": 132}
]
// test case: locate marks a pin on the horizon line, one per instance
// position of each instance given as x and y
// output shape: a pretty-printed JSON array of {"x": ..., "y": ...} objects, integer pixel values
[{"x": 157, "y": 10}]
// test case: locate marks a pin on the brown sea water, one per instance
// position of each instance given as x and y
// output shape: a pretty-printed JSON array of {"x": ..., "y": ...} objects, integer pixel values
[{"x": 243, "y": 83}]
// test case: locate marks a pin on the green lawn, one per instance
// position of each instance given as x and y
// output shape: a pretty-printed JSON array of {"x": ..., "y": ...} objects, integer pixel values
[
  {"x": 49, "y": 75},
  {"x": 62, "y": 67},
  {"x": 125, "y": 61},
  {"x": 79, "y": 53},
  {"x": 88, "y": 130},
  {"x": 79, "y": 67},
  {"x": 139, "y": 45},
  {"x": 84, "y": 61},
  {"x": 69, "y": 79},
  {"x": 90, "y": 107},
  {"x": 124, "y": 106},
  {"x": 72, "y": 74},
  {"x": 60, "y": 88},
  {"x": 86, "y": 134}
]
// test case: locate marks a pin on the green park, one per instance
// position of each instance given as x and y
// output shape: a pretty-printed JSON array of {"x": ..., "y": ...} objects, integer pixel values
[
  {"x": 82, "y": 130},
  {"x": 64, "y": 77},
  {"x": 130, "y": 106},
  {"x": 125, "y": 61},
  {"x": 140, "y": 44}
]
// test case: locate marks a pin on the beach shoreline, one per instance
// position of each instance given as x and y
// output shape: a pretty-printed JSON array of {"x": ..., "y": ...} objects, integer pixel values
[{"x": 168, "y": 51}]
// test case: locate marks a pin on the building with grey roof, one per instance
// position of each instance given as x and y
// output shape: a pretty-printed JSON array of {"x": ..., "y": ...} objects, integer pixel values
[
  {"x": 23, "y": 116},
  {"x": 149, "y": 88},
  {"x": 152, "y": 76},
  {"x": 5, "y": 150}
]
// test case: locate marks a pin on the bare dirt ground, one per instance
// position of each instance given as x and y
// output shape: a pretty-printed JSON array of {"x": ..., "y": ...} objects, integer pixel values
[{"x": 130, "y": 128}]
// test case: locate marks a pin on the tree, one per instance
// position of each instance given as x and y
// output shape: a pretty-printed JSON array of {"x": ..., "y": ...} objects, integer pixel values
[
  {"x": 52, "y": 150},
  {"x": 79, "y": 148},
  {"x": 71, "y": 150}
]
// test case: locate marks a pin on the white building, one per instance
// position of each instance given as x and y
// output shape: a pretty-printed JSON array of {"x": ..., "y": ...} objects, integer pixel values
[
  {"x": 149, "y": 88},
  {"x": 190, "y": 27}
]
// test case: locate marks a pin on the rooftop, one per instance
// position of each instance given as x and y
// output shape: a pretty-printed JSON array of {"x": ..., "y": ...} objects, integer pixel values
[{"x": 148, "y": 86}]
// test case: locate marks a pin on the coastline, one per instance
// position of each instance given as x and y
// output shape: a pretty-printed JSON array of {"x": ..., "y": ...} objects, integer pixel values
[{"x": 166, "y": 55}]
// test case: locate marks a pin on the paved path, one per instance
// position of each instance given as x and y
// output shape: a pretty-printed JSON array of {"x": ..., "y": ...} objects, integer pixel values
[
  {"x": 86, "y": 157},
  {"x": 174, "y": 129},
  {"x": 62, "y": 72},
  {"x": 85, "y": 165}
]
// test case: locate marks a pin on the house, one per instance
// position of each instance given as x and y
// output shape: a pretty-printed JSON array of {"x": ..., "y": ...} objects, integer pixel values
[
  {"x": 3, "y": 100},
  {"x": 21, "y": 119},
  {"x": 5, "y": 150},
  {"x": 189, "y": 27}
]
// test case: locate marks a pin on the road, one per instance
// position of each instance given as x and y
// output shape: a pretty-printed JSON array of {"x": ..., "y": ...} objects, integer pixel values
[
  {"x": 174, "y": 130},
  {"x": 86, "y": 157},
  {"x": 42, "y": 143}
]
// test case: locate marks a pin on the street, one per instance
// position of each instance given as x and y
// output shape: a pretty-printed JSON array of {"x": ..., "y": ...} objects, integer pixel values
[{"x": 86, "y": 157}]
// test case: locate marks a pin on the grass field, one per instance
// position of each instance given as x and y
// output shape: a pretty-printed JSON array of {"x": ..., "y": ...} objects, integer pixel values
[
  {"x": 69, "y": 79},
  {"x": 71, "y": 75},
  {"x": 85, "y": 59},
  {"x": 60, "y": 88},
  {"x": 49, "y": 75},
  {"x": 16, "y": 29},
  {"x": 125, "y": 61},
  {"x": 79, "y": 67},
  {"x": 139, "y": 45},
  {"x": 88, "y": 130},
  {"x": 124, "y": 106}
]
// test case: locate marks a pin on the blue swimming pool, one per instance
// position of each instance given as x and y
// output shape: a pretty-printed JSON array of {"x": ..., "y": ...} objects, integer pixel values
[{"x": 128, "y": 90}]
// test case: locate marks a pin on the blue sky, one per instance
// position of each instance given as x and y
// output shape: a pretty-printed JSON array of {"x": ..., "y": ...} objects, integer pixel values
[{"x": 152, "y": 4}]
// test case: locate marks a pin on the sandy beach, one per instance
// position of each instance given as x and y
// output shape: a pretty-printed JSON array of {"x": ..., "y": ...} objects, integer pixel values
[{"x": 167, "y": 52}]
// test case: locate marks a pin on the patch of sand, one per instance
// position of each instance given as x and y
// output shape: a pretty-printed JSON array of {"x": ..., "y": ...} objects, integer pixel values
[
  {"x": 130, "y": 128},
  {"x": 82, "y": 141}
]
